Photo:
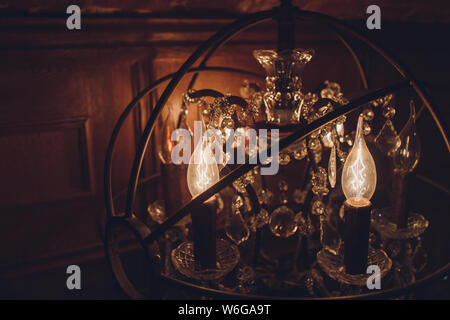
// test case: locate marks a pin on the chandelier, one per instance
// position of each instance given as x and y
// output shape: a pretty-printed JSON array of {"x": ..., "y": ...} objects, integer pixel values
[{"x": 307, "y": 228}]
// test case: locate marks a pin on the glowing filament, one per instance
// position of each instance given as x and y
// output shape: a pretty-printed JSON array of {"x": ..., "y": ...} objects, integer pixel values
[
  {"x": 359, "y": 176},
  {"x": 203, "y": 180},
  {"x": 203, "y": 171},
  {"x": 358, "y": 181}
]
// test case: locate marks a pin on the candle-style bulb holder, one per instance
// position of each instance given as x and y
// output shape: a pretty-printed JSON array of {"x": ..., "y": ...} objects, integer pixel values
[
  {"x": 359, "y": 179},
  {"x": 202, "y": 173},
  {"x": 356, "y": 237},
  {"x": 405, "y": 160},
  {"x": 204, "y": 234}
]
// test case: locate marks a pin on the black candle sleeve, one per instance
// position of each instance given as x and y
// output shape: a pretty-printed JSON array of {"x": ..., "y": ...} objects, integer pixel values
[
  {"x": 399, "y": 200},
  {"x": 356, "y": 237},
  {"x": 204, "y": 234}
]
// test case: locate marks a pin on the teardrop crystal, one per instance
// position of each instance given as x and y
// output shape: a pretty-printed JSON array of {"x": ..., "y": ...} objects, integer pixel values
[
  {"x": 387, "y": 140},
  {"x": 236, "y": 228},
  {"x": 332, "y": 167},
  {"x": 407, "y": 155}
]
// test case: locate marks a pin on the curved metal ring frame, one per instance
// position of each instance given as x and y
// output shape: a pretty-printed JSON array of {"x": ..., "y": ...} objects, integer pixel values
[{"x": 143, "y": 233}]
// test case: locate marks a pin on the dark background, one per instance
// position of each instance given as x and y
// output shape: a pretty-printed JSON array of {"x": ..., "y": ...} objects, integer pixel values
[{"x": 62, "y": 92}]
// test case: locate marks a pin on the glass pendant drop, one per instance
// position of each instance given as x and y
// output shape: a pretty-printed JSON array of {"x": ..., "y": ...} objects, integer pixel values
[
  {"x": 236, "y": 228},
  {"x": 387, "y": 140},
  {"x": 332, "y": 167},
  {"x": 407, "y": 155}
]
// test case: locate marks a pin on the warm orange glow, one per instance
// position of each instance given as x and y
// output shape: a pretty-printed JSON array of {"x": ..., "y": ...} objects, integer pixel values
[{"x": 169, "y": 142}]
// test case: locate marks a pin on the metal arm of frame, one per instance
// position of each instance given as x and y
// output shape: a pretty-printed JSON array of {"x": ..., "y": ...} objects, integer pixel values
[{"x": 216, "y": 41}]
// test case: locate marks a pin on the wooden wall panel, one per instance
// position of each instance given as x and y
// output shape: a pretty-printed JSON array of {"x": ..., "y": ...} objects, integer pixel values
[{"x": 44, "y": 162}]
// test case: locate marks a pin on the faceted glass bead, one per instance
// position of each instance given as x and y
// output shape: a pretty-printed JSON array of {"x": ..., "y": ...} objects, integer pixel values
[
  {"x": 328, "y": 136},
  {"x": 282, "y": 222},
  {"x": 366, "y": 129},
  {"x": 157, "y": 211},
  {"x": 227, "y": 123},
  {"x": 383, "y": 101},
  {"x": 236, "y": 229},
  {"x": 349, "y": 139},
  {"x": 388, "y": 112},
  {"x": 319, "y": 182},
  {"x": 240, "y": 183},
  {"x": 243, "y": 116},
  {"x": 283, "y": 198},
  {"x": 340, "y": 131},
  {"x": 318, "y": 208},
  {"x": 368, "y": 114},
  {"x": 236, "y": 202},
  {"x": 319, "y": 177},
  {"x": 262, "y": 218},
  {"x": 301, "y": 151},
  {"x": 317, "y": 155},
  {"x": 314, "y": 144},
  {"x": 305, "y": 227},
  {"x": 284, "y": 159}
]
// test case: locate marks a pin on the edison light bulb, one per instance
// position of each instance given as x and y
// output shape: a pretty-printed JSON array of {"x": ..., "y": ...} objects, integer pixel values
[
  {"x": 202, "y": 171},
  {"x": 359, "y": 176}
]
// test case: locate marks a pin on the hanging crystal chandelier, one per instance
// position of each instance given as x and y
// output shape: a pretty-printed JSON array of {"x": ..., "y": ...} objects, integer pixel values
[{"x": 310, "y": 230}]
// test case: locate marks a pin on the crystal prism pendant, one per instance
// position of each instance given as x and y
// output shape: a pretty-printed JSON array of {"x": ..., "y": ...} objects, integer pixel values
[
  {"x": 387, "y": 139},
  {"x": 406, "y": 157},
  {"x": 332, "y": 167},
  {"x": 236, "y": 228}
]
